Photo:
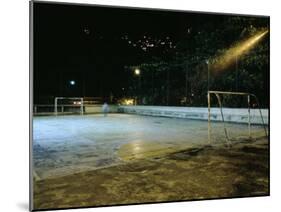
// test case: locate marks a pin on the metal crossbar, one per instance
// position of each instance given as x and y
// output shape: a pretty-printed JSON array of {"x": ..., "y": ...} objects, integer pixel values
[{"x": 217, "y": 94}]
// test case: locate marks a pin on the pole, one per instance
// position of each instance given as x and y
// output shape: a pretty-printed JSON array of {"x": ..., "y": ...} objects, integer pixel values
[
  {"x": 209, "y": 118},
  {"x": 208, "y": 69},
  {"x": 168, "y": 87},
  {"x": 236, "y": 72},
  {"x": 140, "y": 96},
  {"x": 249, "y": 116},
  {"x": 152, "y": 87},
  {"x": 60, "y": 84},
  {"x": 186, "y": 85},
  {"x": 84, "y": 83}
]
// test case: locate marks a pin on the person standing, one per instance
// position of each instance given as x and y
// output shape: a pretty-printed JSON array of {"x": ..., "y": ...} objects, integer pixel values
[{"x": 105, "y": 109}]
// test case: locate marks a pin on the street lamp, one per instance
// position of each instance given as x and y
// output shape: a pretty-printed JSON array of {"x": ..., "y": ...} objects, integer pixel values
[
  {"x": 72, "y": 82},
  {"x": 137, "y": 71}
]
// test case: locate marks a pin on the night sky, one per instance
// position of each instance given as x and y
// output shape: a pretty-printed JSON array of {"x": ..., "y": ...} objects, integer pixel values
[{"x": 92, "y": 45}]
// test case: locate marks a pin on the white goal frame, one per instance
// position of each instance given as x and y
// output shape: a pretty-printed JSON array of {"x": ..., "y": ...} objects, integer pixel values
[
  {"x": 70, "y": 98},
  {"x": 217, "y": 94}
]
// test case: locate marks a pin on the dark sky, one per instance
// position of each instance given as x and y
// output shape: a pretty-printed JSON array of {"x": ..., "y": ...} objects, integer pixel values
[{"x": 92, "y": 45}]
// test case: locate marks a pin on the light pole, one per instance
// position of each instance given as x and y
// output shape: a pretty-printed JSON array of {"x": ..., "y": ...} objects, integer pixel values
[
  {"x": 208, "y": 70},
  {"x": 236, "y": 72},
  {"x": 72, "y": 87},
  {"x": 137, "y": 73},
  {"x": 186, "y": 85}
]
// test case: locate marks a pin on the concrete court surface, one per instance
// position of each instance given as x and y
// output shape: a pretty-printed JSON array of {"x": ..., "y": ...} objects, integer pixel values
[
  {"x": 121, "y": 151},
  {"x": 64, "y": 145}
]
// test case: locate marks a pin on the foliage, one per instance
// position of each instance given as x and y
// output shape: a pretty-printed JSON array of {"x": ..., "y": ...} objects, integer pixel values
[{"x": 181, "y": 76}]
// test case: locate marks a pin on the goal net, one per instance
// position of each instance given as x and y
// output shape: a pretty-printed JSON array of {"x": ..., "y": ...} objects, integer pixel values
[
  {"x": 231, "y": 116},
  {"x": 68, "y": 105}
]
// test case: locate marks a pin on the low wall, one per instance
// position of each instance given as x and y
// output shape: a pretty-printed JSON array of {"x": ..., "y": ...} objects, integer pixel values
[
  {"x": 238, "y": 115},
  {"x": 98, "y": 108}
]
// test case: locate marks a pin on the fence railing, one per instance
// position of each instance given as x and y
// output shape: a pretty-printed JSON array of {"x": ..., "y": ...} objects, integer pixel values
[
  {"x": 63, "y": 109},
  {"x": 52, "y": 109}
]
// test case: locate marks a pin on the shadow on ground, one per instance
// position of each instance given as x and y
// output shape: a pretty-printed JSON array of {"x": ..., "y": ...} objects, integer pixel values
[{"x": 194, "y": 173}]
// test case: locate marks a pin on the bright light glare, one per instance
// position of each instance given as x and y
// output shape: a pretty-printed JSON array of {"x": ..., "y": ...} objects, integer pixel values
[
  {"x": 77, "y": 103},
  {"x": 128, "y": 101},
  {"x": 226, "y": 59},
  {"x": 72, "y": 82},
  {"x": 137, "y": 71}
]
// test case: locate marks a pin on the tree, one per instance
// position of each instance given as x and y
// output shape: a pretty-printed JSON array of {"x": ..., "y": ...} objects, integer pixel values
[{"x": 179, "y": 76}]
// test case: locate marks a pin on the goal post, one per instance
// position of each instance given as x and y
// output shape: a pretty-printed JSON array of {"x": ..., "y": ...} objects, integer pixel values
[
  {"x": 218, "y": 95},
  {"x": 76, "y": 102}
]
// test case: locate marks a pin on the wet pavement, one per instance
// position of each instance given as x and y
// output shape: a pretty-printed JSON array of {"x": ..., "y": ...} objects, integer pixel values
[
  {"x": 66, "y": 145},
  {"x": 202, "y": 172},
  {"x": 94, "y": 160}
]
